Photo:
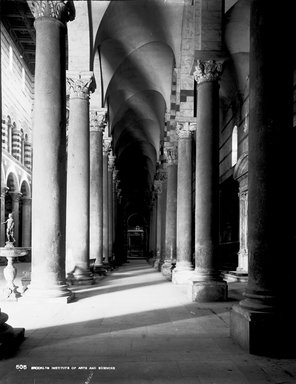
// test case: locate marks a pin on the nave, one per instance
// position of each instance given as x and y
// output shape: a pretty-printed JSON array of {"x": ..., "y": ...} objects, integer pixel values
[{"x": 134, "y": 326}]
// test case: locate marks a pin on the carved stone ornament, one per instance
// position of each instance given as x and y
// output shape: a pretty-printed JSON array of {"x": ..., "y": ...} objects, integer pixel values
[
  {"x": 111, "y": 161},
  {"x": 60, "y": 10},
  {"x": 98, "y": 120},
  {"x": 171, "y": 154},
  {"x": 161, "y": 175},
  {"x": 158, "y": 186},
  {"x": 80, "y": 84},
  {"x": 106, "y": 145},
  {"x": 184, "y": 130},
  {"x": 209, "y": 70}
]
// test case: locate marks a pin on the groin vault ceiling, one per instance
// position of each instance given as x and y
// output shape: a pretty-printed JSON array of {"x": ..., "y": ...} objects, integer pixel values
[
  {"x": 137, "y": 43},
  {"x": 133, "y": 48}
]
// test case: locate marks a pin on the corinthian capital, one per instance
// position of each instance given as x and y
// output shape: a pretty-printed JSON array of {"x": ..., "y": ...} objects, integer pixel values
[
  {"x": 111, "y": 161},
  {"x": 60, "y": 10},
  {"x": 184, "y": 130},
  {"x": 209, "y": 70},
  {"x": 171, "y": 154},
  {"x": 98, "y": 120},
  {"x": 158, "y": 187},
  {"x": 80, "y": 84},
  {"x": 106, "y": 145}
]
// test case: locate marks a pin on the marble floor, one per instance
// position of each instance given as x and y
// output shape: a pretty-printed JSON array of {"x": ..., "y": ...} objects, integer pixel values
[{"x": 133, "y": 327}]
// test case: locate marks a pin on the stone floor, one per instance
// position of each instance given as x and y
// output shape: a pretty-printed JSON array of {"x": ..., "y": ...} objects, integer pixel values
[{"x": 133, "y": 327}]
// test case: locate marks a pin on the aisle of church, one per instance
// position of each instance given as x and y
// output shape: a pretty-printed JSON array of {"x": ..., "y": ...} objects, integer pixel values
[{"x": 134, "y": 326}]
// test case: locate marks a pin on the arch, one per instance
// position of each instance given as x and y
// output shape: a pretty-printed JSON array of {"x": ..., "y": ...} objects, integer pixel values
[
  {"x": 25, "y": 188},
  {"x": 12, "y": 181}
]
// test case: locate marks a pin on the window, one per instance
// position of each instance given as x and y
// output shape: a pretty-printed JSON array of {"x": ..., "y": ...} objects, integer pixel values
[{"x": 234, "y": 146}]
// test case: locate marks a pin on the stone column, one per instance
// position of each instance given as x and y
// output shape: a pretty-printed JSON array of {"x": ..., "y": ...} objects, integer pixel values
[
  {"x": 115, "y": 213},
  {"x": 3, "y": 232},
  {"x": 171, "y": 212},
  {"x": 158, "y": 191},
  {"x": 240, "y": 174},
  {"x": 152, "y": 228},
  {"x": 15, "y": 197},
  {"x": 26, "y": 222},
  {"x": 206, "y": 284},
  {"x": 97, "y": 126},
  {"x": 264, "y": 322},
  {"x": 106, "y": 149},
  {"x": 183, "y": 270},
  {"x": 111, "y": 161},
  {"x": 49, "y": 160},
  {"x": 80, "y": 84}
]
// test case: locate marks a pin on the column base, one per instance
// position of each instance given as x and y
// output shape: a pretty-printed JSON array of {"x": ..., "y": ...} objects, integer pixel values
[
  {"x": 10, "y": 338},
  {"x": 180, "y": 276},
  {"x": 166, "y": 269},
  {"x": 55, "y": 294},
  {"x": 81, "y": 279},
  {"x": 157, "y": 264},
  {"x": 263, "y": 333},
  {"x": 100, "y": 270},
  {"x": 207, "y": 291}
]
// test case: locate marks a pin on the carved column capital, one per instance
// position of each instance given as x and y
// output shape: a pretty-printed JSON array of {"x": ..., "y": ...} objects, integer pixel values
[
  {"x": 158, "y": 186},
  {"x": 98, "y": 120},
  {"x": 184, "y": 130},
  {"x": 209, "y": 70},
  {"x": 106, "y": 145},
  {"x": 80, "y": 84},
  {"x": 26, "y": 200},
  {"x": 115, "y": 175},
  {"x": 4, "y": 191},
  {"x": 171, "y": 154},
  {"x": 111, "y": 161},
  {"x": 15, "y": 196},
  {"x": 60, "y": 10}
]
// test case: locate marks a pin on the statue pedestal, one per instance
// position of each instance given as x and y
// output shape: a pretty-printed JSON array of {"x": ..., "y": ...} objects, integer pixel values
[{"x": 11, "y": 253}]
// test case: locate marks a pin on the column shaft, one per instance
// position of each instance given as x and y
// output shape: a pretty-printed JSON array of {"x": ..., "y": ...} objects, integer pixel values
[
  {"x": 49, "y": 161},
  {"x": 26, "y": 222},
  {"x": 171, "y": 213},
  {"x": 206, "y": 283},
  {"x": 96, "y": 186},
  {"x": 183, "y": 270},
  {"x": 77, "y": 234},
  {"x": 111, "y": 161},
  {"x": 263, "y": 323},
  {"x": 106, "y": 149}
]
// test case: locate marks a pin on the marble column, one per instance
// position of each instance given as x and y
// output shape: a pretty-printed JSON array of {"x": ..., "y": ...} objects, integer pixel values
[
  {"x": 97, "y": 127},
  {"x": 206, "y": 284},
  {"x": 171, "y": 211},
  {"x": 264, "y": 322},
  {"x": 163, "y": 198},
  {"x": 152, "y": 228},
  {"x": 49, "y": 160},
  {"x": 15, "y": 197},
  {"x": 26, "y": 222},
  {"x": 115, "y": 214},
  {"x": 184, "y": 268},
  {"x": 240, "y": 174},
  {"x": 111, "y": 161},
  {"x": 80, "y": 84},
  {"x": 3, "y": 233},
  {"x": 158, "y": 191},
  {"x": 106, "y": 149}
]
